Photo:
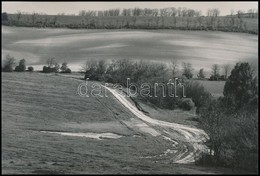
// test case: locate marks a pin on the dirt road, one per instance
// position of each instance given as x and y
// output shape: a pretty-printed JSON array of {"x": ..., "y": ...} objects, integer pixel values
[{"x": 187, "y": 142}]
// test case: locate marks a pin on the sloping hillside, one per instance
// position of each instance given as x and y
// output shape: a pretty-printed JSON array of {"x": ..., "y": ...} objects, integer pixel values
[{"x": 43, "y": 117}]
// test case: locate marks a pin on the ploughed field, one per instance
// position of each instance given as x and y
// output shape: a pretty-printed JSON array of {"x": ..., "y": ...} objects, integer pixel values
[
  {"x": 201, "y": 48},
  {"x": 48, "y": 128}
]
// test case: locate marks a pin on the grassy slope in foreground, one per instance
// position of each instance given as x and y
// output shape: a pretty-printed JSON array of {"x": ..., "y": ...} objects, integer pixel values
[{"x": 35, "y": 102}]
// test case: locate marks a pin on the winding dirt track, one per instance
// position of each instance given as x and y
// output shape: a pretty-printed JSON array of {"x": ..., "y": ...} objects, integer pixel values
[{"x": 187, "y": 142}]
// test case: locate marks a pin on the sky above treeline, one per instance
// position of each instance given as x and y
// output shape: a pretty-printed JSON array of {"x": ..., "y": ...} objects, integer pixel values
[{"x": 53, "y": 8}]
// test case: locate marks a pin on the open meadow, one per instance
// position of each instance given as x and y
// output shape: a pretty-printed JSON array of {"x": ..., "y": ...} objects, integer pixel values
[{"x": 201, "y": 48}]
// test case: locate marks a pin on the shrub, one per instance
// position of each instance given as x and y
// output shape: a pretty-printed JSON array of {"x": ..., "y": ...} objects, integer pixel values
[
  {"x": 91, "y": 74},
  {"x": 214, "y": 78},
  {"x": 30, "y": 69},
  {"x": 187, "y": 70},
  {"x": 46, "y": 69},
  {"x": 64, "y": 67},
  {"x": 186, "y": 104},
  {"x": 18, "y": 69},
  {"x": 21, "y": 67},
  {"x": 68, "y": 70},
  {"x": 201, "y": 74},
  {"x": 8, "y": 64},
  {"x": 4, "y": 16},
  {"x": 205, "y": 160},
  {"x": 197, "y": 93}
]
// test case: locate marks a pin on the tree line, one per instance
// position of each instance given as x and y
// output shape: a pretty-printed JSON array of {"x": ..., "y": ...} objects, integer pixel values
[
  {"x": 53, "y": 66},
  {"x": 138, "y": 18},
  {"x": 139, "y": 72},
  {"x": 168, "y": 12},
  {"x": 8, "y": 65}
]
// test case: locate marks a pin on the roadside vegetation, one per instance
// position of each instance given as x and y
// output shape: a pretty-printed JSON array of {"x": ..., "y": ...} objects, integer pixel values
[
  {"x": 137, "y": 18},
  {"x": 232, "y": 122}
]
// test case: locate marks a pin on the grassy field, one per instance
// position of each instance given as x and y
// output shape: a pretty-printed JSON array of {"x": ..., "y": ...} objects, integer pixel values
[
  {"x": 214, "y": 87},
  {"x": 35, "y": 102},
  {"x": 201, "y": 48}
]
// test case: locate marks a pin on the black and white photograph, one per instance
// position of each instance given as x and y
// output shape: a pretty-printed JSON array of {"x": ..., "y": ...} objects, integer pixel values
[{"x": 129, "y": 87}]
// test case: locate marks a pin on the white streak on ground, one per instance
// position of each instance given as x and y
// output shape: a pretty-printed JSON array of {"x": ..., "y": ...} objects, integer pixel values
[{"x": 98, "y": 136}]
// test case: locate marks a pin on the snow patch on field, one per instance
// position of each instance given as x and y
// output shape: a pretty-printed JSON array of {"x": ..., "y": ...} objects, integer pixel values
[{"x": 98, "y": 136}]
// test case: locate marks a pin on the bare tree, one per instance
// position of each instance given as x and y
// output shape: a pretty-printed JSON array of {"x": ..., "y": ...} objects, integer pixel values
[
  {"x": 209, "y": 12},
  {"x": 54, "y": 20},
  {"x": 64, "y": 66},
  {"x": 33, "y": 17},
  {"x": 216, "y": 12},
  {"x": 155, "y": 12},
  {"x": 82, "y": 13},
  {"x": 240, "y": 13},
  {"x": 201, "y": 74},
  {"x": 179, "y": 10},
  {"x": 50, "y": 62},
  {"x": 18, "y": 15},
  {"x": 198, "y": 13},
  {"x": 187, "y": 70},
  {"x": 232, "y": 12},
  {"x": 191, "y": 13},
  {"x": 251, "y": 12},
  {"x": 8, "y": 63},
  {"x": 88, "y": 65},
  {"x": 174, "y": 67},
  {"x": 226, "y": 69},
  {"x": 56, "y": 67},
  {"x": 174, "y": 11},
  {"x": 215, "y": 71}
]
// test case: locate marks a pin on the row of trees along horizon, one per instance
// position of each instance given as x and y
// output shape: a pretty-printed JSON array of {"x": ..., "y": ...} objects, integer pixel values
[
  {"x": 187, "y": 69},
  {"x": 231, "y": 121},
  {"x": 165, "y": 18},
  {"x": 52, "y": 66}
]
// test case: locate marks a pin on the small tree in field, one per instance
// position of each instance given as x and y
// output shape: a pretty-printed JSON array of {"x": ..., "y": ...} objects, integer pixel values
[
  {"x": 53, "y": 66},
  {"x": 241, "y": 86},
  {"x": 8, "y": 63},
  {"x": 174, "y": 68},
  {"x": 51, "y": 62},
  {"x": 187, "y": 70},
  {"x": 226, "y": 69},
  {"x": 56, "y": 68},
  {"x": 21, "y": 67},
  {"x": 64, "y": 66},
  {"x": 215, "y": 72},
  {"x": 68, "y": 70},
  {"x": 46, "y": 69},
  {"x": 201, "y": 74},
  {"x": 30, "y": 69}
]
